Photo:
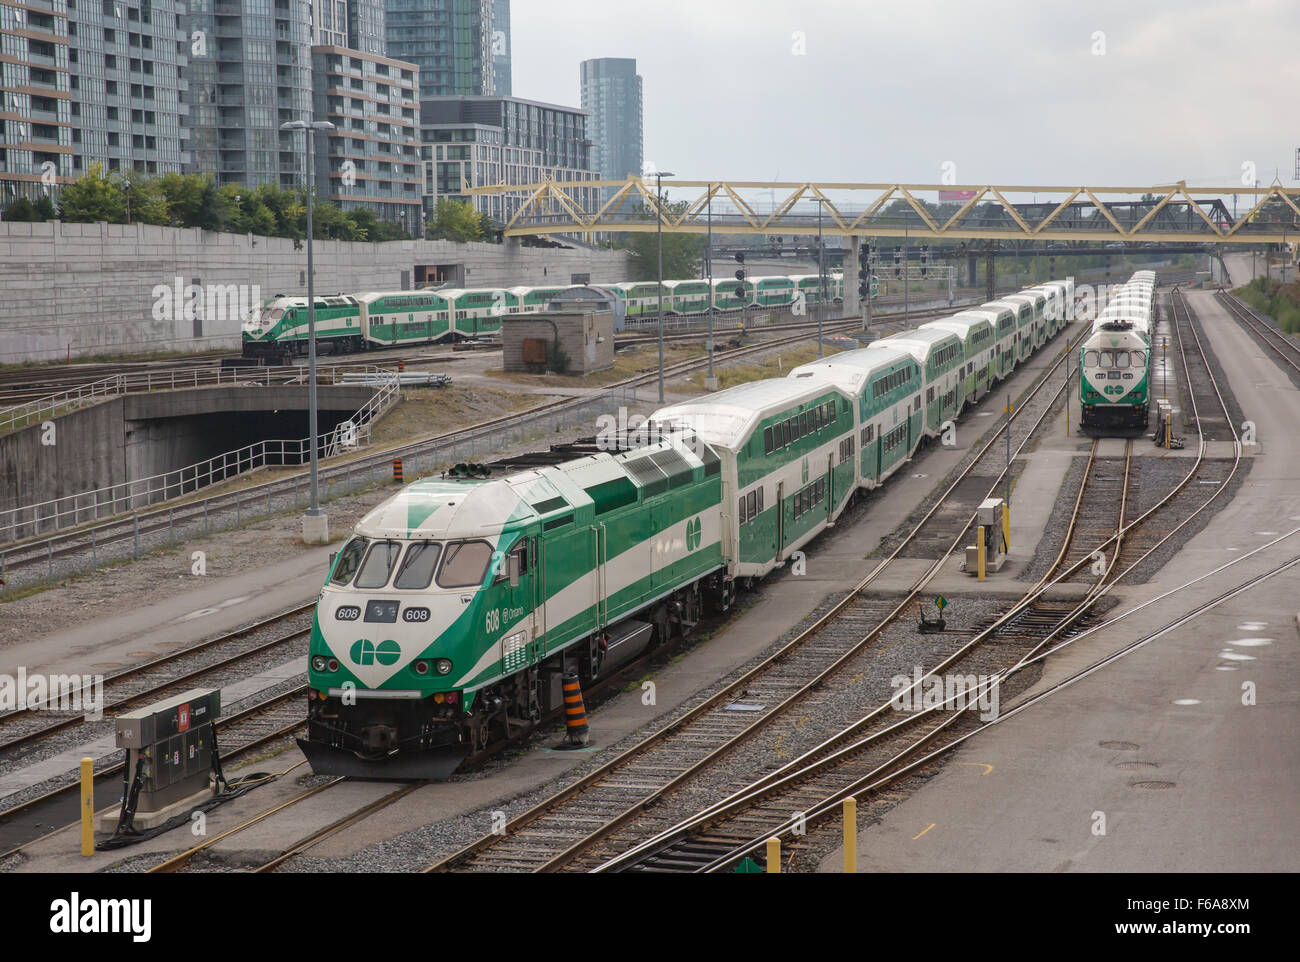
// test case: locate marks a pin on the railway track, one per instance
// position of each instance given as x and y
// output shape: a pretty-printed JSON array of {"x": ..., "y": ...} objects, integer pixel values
[
  {"x": 1283, "y": 346},
  {"x": 23, "y": 730},
  {"x": 803, "y": 793},
  {"x": 565, "y": 826}
]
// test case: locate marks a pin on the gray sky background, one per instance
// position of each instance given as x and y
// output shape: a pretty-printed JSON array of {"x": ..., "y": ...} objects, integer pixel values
[{"x": 1008, "y": 91}]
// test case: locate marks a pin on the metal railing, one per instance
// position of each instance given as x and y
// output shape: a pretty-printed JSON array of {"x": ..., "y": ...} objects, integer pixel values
[
  {"x": 45, "y": 517},
  {"x": 172, "y": 379}
]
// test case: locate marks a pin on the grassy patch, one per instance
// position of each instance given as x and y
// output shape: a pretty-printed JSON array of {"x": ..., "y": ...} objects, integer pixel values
[
  {"x": 1282, "y": 303},
  {"x": 426, "y": 411},
  {"x": 777, "y": 364}
]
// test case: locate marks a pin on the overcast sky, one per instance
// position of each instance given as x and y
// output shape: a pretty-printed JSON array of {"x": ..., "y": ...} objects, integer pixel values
[{"x": 1009, "y": 92}]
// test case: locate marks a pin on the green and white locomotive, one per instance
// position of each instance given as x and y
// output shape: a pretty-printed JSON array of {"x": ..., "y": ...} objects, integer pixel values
[
  {"x": 1115, "y": 359},
  {"x": 448, "y": 619}
]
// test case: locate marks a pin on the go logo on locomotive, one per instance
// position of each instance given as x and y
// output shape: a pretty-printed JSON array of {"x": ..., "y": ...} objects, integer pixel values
[
  {"x": 364, "y": 652},
  {"x": 694, "y": 533}
]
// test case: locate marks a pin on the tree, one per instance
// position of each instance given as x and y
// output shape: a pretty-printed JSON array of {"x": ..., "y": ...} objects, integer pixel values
[
  {"x": 91, "y": 198},
  {"x": 44, "y": 208},
  {"x": 20, "y": 210},
  {"x": 193, "y": 201},
  {"x": 682, "y": 252},
  {"x": 455, "y": 221},
  {"x": 149, "y": 203}
]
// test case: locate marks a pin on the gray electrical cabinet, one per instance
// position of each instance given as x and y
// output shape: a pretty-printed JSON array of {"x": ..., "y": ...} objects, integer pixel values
[{"x": 169, "y": 745}]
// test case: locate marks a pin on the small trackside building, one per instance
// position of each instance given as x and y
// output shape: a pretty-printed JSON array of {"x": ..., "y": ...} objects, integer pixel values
[{"x": 785, "y": 476}]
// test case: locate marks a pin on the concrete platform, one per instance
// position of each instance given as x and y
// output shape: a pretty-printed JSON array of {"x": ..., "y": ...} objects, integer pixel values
[{"x": 1222, "y": 777}]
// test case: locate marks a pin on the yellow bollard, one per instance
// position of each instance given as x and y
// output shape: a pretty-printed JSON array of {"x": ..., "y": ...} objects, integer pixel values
[
  {"x": 87, "y": 806},
  {"x": 774, "y": 856},
  {"x": 1006, "y": 526},
  {"x": 979, "y": 550},
  {"x": 850, "y": 836}
]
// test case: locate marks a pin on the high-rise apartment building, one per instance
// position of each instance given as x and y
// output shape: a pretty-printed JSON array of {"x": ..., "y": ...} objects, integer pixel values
[
  {"x": 88, "y": 81},
  {"x": 479, "y": 141},
  {"x": 450, "y": 41},
  {"x": 501, "y": 84},
  {"x": 252, "y": 74},
  {"x": 372, "y": 157},
  {"x": 611, "y": 91}
]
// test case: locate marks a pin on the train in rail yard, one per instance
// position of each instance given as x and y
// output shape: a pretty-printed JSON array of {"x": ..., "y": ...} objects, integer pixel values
[
  {"x": 450, "y": 617},
  {"x": 276, "y": 330},
  {"x": 1115, "y": 359}
]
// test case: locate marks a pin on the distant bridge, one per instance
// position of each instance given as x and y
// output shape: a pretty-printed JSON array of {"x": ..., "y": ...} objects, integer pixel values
[{"x": 1165, "y": 214}]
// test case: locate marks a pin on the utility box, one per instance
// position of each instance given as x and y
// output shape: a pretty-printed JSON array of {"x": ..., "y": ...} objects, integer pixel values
[
  {"x": 169, "y": 749},
  {"x": 564, "y": 342},
  {"x": 989, "y": 517}
]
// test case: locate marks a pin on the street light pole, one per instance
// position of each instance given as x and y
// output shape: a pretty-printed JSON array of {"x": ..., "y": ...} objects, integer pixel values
[
  {"x": 659, "y": 234},
  {"x": 708, "y": 262},
  {"x": 821, "y": 275},
  {"x": 315, "y": 525},
  {"x": 907, "y": 280}
]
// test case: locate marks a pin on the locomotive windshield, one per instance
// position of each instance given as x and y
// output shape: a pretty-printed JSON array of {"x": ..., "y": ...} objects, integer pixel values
[
  {"x": 349, "y": 561},
  {"x": 379, "y": 564},
  {"x": 417, "y": 567},
  {"x": 371, "y": 564}
]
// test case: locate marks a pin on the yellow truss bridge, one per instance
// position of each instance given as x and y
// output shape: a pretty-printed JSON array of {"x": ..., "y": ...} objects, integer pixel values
[{"x": 1172, "y": 213}]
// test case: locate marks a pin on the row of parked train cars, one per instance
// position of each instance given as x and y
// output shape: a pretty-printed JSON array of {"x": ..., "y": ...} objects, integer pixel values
[
  {"x": 448, "y": 619},
  {"x": 345, "y": 323}
]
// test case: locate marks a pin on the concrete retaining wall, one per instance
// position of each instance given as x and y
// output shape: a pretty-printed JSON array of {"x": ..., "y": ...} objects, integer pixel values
[
  {"x": 118, "y": 289},
  {"x": 142, "y": 435}
]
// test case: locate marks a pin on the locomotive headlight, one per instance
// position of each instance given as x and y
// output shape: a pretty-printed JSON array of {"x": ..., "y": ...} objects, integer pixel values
[
  {"x": 443, "y": 665},
  {"x": 318, "y": 663}
]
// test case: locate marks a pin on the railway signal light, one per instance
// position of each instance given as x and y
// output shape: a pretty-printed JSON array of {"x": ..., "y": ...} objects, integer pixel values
[
  {"x": 898, "y": 260},
  {"x": 925, "y": 258},
  {"x": 740, "y": 257}
]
